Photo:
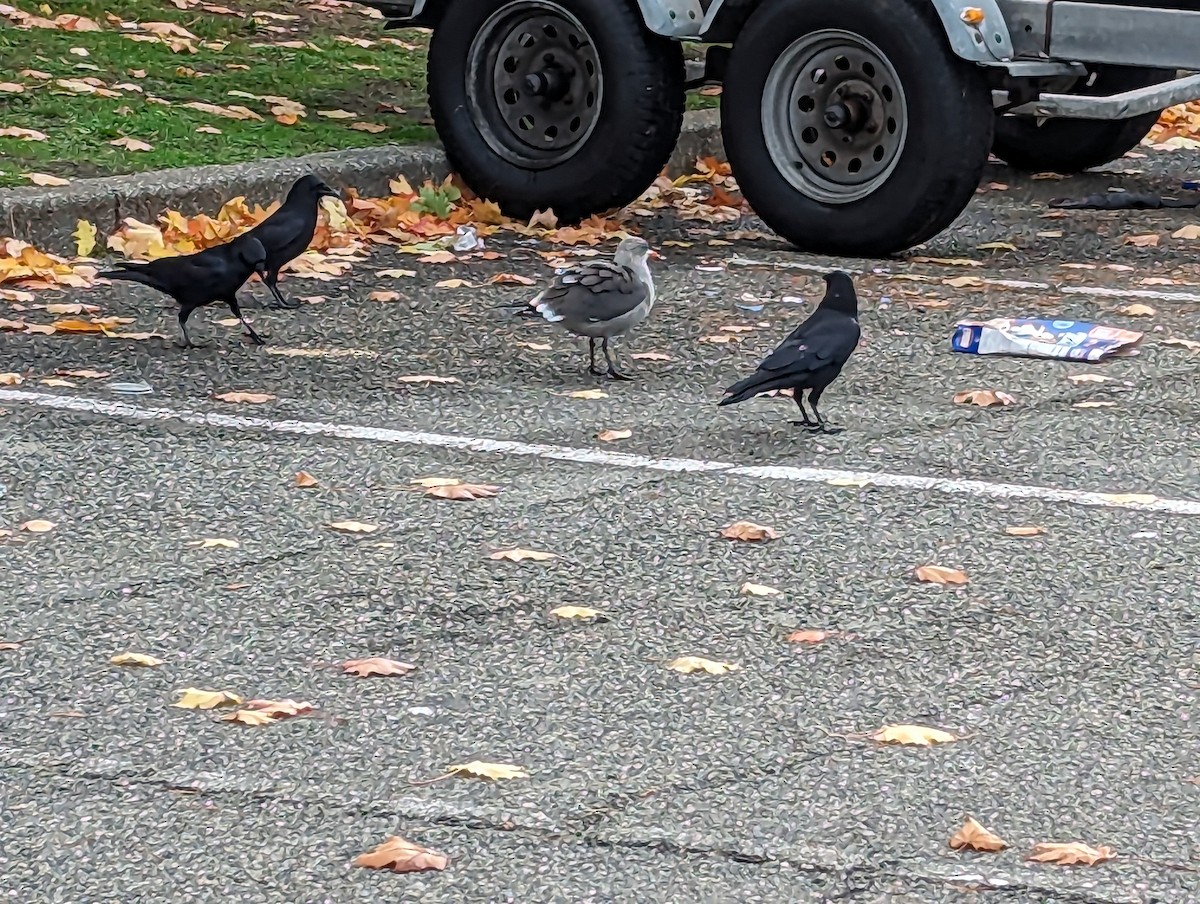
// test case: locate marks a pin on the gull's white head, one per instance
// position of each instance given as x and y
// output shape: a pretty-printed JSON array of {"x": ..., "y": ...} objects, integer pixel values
[{"x": 632, "y": 250}]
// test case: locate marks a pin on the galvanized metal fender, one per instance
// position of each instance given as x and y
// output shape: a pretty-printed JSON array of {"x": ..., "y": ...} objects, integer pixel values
[{"x": 989, "y": 42}]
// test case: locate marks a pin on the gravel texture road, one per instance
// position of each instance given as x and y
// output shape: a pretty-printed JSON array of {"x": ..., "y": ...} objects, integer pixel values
[{"x": 1066, "y": 667}]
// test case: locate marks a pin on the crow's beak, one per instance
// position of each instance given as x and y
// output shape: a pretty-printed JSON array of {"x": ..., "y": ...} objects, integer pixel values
[
  {"x": 327, "y": 192},
  {"x": 261, "y": 270}
]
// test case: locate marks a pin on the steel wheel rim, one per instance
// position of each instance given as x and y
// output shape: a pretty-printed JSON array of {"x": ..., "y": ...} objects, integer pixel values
[
  {"x": 834, "y": 116},
  {"x": 534, "y": 83}
]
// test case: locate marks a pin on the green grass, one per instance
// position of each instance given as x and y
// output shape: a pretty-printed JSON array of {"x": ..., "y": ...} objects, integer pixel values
[
  {"x": 79, "y": 127},
  {"x": 335, "y": 76}
]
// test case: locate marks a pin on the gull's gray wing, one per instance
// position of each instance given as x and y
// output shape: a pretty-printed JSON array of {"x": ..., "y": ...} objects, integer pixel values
[{"x": 594, "y": 293}]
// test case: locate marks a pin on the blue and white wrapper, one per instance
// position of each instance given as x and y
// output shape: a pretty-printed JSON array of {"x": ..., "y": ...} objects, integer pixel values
[{"x": 1070, "y": 339}]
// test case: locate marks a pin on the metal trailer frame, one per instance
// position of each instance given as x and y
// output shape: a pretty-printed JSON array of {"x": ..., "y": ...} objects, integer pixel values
[{"x": 1029, "y": 42}]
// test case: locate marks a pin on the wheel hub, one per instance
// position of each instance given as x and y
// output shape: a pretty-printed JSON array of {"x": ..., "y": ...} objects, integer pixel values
[
  {"x": 834, "y": 116},
  {"x": 534, "y": 83}
]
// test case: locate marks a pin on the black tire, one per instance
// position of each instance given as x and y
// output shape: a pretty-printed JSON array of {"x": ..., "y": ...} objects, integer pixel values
[
  {"x": 1069, "y": 146},
  {"x": 635, "y": 119},
  {"x": 937, "y": 168}
]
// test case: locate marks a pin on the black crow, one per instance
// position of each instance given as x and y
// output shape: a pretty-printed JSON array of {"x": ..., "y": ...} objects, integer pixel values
[
  {"x": 206, "y": 277},
  {"x": 600, "y": 300},
  {"x": 287, "y": 232},
  {"x": 812, "y": 356}
]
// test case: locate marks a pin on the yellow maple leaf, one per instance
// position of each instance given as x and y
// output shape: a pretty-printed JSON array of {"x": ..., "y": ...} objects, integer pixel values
[
  {"x": 139, "y": 659},
  {"x": 575, "y": 612},
  {"x": 915, "y": 735},
  {"x": 85, "y": 238},
  {"x": 689, "y": 664},
  {"x": 195, "y": 698},
  {"x": 493, "y": 771}
]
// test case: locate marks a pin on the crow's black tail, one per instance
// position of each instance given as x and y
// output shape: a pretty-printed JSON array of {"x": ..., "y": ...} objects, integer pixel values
[
  {"x": 131, "y": 272},
  {"x": 753, "y": 385}
]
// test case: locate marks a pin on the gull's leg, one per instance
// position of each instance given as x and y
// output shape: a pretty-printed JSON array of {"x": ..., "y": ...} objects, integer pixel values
[
  {"x": 612, "y": 368},
  {"x": 592, "y": 368}
]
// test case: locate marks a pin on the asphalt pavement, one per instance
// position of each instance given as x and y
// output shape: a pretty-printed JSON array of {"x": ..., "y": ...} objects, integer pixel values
[{"x": 1066, "y": 667}]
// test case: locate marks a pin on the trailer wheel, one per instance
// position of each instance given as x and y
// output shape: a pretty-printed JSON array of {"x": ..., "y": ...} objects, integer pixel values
[
  {"x": 851, "y": 127},
  {"x": 566, "y": 104},
  {"x": 1072, "y": 145}
]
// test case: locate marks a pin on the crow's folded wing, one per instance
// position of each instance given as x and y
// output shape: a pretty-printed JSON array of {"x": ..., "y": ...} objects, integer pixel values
[{"x": 825, "y": 338}]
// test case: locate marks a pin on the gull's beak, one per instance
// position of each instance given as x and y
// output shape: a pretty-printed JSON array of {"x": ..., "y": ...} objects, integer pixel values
[{"x": 654, "y": 255}]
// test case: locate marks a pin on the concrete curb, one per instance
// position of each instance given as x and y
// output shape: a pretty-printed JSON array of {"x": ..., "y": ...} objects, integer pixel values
[{"x": 46, "y": 217}]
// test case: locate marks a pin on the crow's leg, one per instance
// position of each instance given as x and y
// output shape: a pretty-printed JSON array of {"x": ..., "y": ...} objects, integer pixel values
[
  {"x": 280, "y": 303},
  {"x": 821, "y": 426},
  {"x": 184, "y": 314},
  {"x": 237, "y": 312},
  {"x": 612, "y": 368},
  {"x": 592, "y": 368},
  {"x": 798, "y": 396}
]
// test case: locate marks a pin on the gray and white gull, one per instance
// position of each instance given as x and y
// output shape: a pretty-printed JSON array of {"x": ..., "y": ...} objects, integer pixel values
[{"x": 601, "y": 299}]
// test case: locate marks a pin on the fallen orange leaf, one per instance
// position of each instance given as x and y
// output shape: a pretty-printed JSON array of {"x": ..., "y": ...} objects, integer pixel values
[
  {"x": 937, "y": 574},
  {"x": 974, "y": 836},
  {"x": 1070, "y": 853},
  {"x": 402, "y": 856},
  {"x": 749, "y": 531}
]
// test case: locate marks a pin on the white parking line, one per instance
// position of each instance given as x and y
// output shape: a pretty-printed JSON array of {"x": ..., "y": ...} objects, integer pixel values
[{"x": 837, "y": 476}]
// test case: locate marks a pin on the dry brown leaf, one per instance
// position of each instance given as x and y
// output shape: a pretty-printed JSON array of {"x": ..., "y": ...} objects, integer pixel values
[
  {"x": 304, "y": 480},
  {"x": 402, "y": 856},
  {"x": 688, "y": 664},
  {"x": 751, "y": 589},
  {"x": 11, "y": 379},
  {"x": 808, "y": 635},
  {"x": 1137, "y": 309},
  {"x": 194, "y": 698},
  {"x": 543, "y": 218},
  {"x": 722, "y": 339},
  {"x": 396, "y": 273},
  {"x": 918, "y": 735},
  {"x": 651, "y": 356},
  {"x": 1030, "y": 530},
  {"x": 975, "y": 837},
  {"x": 354, "y": 527},
  {"x": 376, "y": 665},
  {"x": 373, "y": 128},
  {"x": 252, "y": 398},
  {"x": 337, "y": 114},
  {"x": 38, "y": 526},
  {"x": 266, "y": 712},
  {"x": 984, "y": 398},
  {"x": 575, "y": 612},
  {"x": 1141, "y": 241},
  {"x": 611, "y": 436},
  {"x": 937, "y": 574},
  {"x": 452, "y": 284},
  {"x": 587, "y": 394},
  {"x": 1189, "y": 344},
  {"x": 135, "y": 659},
  {"x": 23, "y": 134},
  {"x": 383, "y": 295},
  {"x": 131, "y": 144},
  {"x": 494, "y": 771},
  {"x": 749, "y": 531},
  {"x": 1088, "y": 378},
  {"x": 462, "y": 491},
  {"x": 1070, "y": 853},
  {"x": 510, "y": 279},
  {"x": 963, "y": 282},
  {"x": 55, "y": 381},
  {"x": 216, "y": 543},
  {"x": 427, "y": 378},
  {"x": 520, "y": 555},
  {"x": 46, "y": 180},
  {"x": 1190, "y": 231}
]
